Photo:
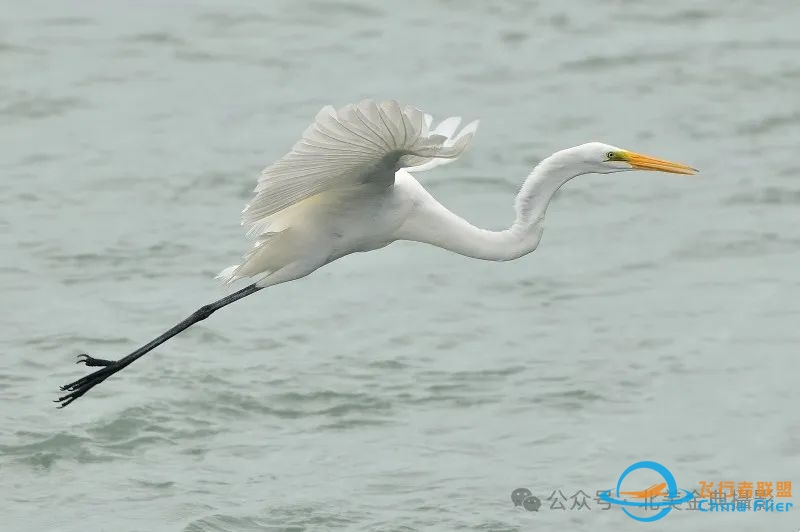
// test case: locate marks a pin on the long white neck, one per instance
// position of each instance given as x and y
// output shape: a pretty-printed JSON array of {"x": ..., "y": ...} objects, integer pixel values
[{"x": 432, "y": 223}]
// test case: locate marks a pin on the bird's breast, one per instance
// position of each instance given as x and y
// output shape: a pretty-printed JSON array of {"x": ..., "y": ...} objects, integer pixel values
[{"x": 368, "y": 222}]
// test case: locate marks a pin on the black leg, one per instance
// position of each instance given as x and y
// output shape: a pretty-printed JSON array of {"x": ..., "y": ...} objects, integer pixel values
[
  {"x": 83, "y": 358},
  {"x": 81, "y": 386}
]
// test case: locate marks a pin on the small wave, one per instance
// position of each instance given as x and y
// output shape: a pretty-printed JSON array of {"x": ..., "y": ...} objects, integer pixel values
[
  {"x": 345, "y": 9},
  {"x": 766, "y": 196},
  {"x": 602, "y": 62},
  {"x": 569, "y": 400},
  {"x": 155, "y": 37},
  {"x": 226, "y": 20},
  {"x": 327, "y": 405},
  {"x": 11, "y": 49},
  {"x": 68, "y": 21},
  {"x": 46, "y": 449},
  {"x": 769, "y": 124},
  {"x": 37, "y": 107},
  {"x": 287, "y": 518},
  {"x": 747, "y": 246}
]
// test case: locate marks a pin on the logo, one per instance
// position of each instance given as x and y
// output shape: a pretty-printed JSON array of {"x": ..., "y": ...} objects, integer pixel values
[
  {"x": 650, "y": 487},
  {"x": 645, "y": 498},
  {"x": 523, "y": 497}
]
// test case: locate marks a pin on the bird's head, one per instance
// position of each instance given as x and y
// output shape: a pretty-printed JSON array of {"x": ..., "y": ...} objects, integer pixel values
[{"x": 596, "y": 157}]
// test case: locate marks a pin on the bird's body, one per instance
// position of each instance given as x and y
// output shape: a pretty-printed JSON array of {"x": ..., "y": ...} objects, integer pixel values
[
  {"x": 344, "y": 188},
  {"x": 348, "y": 186},
  {"x": 323, "y": 228},
  {"x": 334, "y": 224}
]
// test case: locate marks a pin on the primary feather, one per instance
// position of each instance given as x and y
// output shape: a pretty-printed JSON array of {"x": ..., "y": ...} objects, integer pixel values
[{"x": 447, "y": 128}]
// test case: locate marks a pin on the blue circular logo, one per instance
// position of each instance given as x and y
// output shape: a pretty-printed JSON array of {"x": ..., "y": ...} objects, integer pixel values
[{"x": 673, "y": 492}]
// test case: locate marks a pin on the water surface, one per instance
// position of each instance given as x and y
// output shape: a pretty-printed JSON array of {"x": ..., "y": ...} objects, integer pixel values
[{"x": 407, "y": 389}]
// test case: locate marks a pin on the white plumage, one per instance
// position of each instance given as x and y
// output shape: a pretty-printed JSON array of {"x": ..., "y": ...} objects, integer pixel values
[{"x": 346, "y": 187}]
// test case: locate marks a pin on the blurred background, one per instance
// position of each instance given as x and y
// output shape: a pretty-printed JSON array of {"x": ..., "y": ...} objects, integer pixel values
[{"x": 409, "y": 388}]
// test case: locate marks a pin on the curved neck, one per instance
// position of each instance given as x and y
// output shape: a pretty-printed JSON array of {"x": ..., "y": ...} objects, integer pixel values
[
  {"x": 540, "y": 186},
  {"x": 432, "y": 223}
]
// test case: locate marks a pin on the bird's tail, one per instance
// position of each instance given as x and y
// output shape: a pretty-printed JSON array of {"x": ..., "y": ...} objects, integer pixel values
[
  {"x": 262, "y": 259},
  {"x": 228, "y": 275}
]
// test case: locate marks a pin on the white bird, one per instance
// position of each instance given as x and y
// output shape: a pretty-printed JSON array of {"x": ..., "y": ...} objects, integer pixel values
[{"x": 347, "y": 186}]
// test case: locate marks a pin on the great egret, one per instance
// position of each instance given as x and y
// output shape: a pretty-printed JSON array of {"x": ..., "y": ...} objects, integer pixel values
[{"x": 346, "y": 187}]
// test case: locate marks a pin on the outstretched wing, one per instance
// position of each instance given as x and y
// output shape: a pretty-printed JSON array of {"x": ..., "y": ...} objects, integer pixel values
[{"x": 358, "y": 144}]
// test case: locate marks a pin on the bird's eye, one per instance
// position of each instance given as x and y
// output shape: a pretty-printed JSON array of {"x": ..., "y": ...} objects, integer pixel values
[{"x": 610, "y": 155}]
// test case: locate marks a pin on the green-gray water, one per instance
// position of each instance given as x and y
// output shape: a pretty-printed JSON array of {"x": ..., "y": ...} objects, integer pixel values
[{"x": 409, "y": 388}]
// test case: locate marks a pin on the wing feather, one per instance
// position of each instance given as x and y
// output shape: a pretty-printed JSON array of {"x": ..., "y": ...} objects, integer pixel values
[
  {"x": 447, "y": 128},
  {"x": 366, "y": 142}
]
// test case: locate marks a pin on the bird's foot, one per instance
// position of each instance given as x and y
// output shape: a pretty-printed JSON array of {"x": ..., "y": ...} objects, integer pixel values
[
  {"x": 84, "y": 384},
  {"x": 91, "y": 361}
]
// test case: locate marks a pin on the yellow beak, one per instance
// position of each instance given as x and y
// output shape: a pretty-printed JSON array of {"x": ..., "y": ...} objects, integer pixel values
[{"x": 645, "y": 162}]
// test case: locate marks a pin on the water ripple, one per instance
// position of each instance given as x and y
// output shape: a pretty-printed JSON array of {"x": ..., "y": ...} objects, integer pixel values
[{"x": 40, "y": 107}]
